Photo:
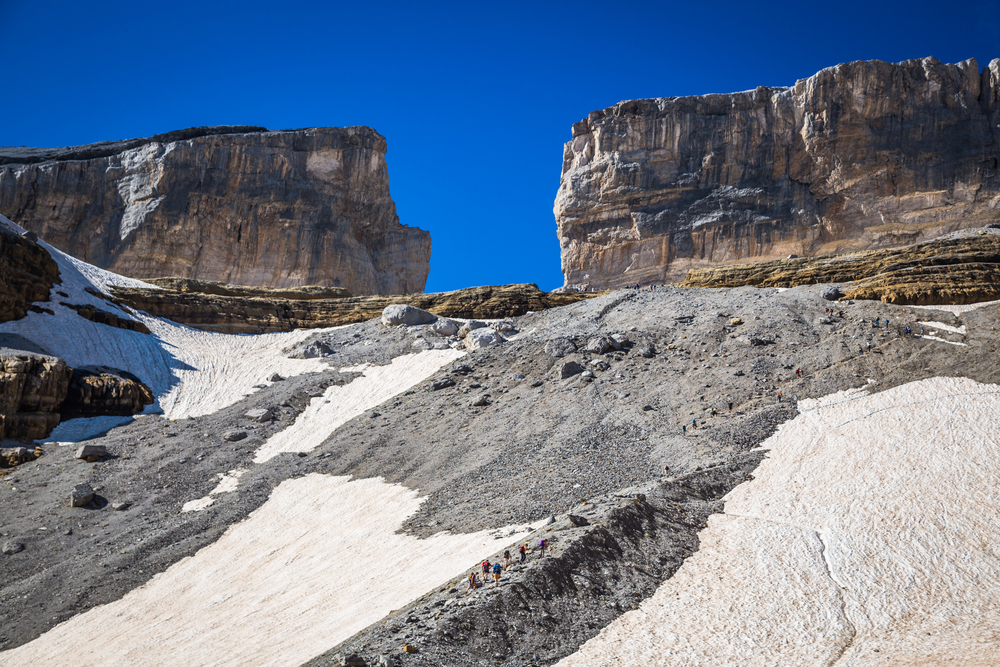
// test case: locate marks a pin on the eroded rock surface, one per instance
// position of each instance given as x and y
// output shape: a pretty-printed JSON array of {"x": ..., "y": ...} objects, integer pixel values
[
  {"x": 859, "y": 156},
  {"x": 234, "y": 204},
  {"x": 27, "y": 273}
]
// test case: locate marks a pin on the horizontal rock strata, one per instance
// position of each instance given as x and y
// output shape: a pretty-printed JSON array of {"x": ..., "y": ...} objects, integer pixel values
[
  {"x": 860, "y": 156},
  {"x": 235, "y": 204},
  {"x": 27, "y": 273},
  {"x": 237, "y": 314},
  {"x": 962, "y": 269}
]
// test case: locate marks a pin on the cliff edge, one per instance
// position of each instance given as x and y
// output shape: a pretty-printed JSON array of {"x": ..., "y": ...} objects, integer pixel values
[
  {"x": 236, "y": 204},
  {"x": 859, "y": 156}
]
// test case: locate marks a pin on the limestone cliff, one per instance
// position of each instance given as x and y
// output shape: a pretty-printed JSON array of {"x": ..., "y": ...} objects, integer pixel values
[
  {"x": 859, "y": 156},
  {"x": 234, "y": 204}
]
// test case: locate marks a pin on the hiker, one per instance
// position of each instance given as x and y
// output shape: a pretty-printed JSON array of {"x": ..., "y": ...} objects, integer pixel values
[
  {"x": 730, "y": 406},
  {"x": 694, "y": 423},
  {"x": 779, "y": 397},
  {"x": 506, "y": 559},
  {"x": 497, "y": 569},
  {"x": 486, "y": 569},
  {"x": 542, "y": 543},
  {"x": 666, "y": 471},
  {"x": 523, "y": 551},
  {"x": 684, "y": 429},
  {"x": 714, "y": 412},
  {"x": 473, "y": 582}
]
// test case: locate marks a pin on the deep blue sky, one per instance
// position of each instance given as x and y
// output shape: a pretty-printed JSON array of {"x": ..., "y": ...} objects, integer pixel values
[{"x": 475, "y": 101}]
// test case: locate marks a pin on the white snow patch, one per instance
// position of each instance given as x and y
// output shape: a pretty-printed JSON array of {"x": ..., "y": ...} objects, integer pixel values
[
  {"x": 868, "y": 537},
  {"x": 190, "y": 372},
  {"x": 340, "y": 404},
  {"x": 316, "y": 563},
  {"x": 940, "y": 340},
  {"x": 944, "y": 327},
  {"x": 229, "y": 481},
  {"x": 958, "y": 310}
]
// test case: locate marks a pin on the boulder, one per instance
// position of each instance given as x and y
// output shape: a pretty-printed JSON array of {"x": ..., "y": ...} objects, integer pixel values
[
  {"x": 577, "y": 520},
  {"x": 444, "y": 327},
  {"x": 11, "y": 547},
  {"x": 832, "y": 293},
  {"x": 559, "y": 347},
  {"x": 399, "y": 314},
  {"x": 121, "y": 506},
  {"x": 443, "y": 383},
  {"x": 480, "y": 338},
  {"x": 275, "y": 378},
  {"x": 234, "y": 436},
  {"x": 600, "y": 364},
  {"x": 460, "y": 369},
  {"x": 81, "y": 495},
  {"x": 91, "y": 453},
  {"x": 647, "y": 352},
  {"x": 480, "y": 401},
  {"x": 260, "y": 415},
  {"x": 599, "y": 345},
  {"x": 736, "y": 321},
  {"x": 471, "y": 325},
  {"x": 569, "y": 369}
]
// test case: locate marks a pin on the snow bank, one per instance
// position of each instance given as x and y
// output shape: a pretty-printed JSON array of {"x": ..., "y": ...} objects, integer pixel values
[
  {"x": 319, "y": 561},
  {"x": 958, "y": 310},
  {"x": 340, "y": 404},
  {"x": 190, "y": 372},
  {"x": 868, "y": 537}
]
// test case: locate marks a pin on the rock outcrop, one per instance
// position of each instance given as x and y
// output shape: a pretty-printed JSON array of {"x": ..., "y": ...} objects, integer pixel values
[
  {"x": 859, "y": 156},
  {"x": 239, "y": 314},
  {"x": 27, "y": 273},
  {"x": 104, "y": 391},
  {"x": 236, "y": 204},
  {"x": 960, "y": 268}
]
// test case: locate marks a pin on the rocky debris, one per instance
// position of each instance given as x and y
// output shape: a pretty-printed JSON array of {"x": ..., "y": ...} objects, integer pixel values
[
  {"x": 91, "y": 453},
  {"x": 569, "y": 369},
  {"x": 963, "y": 267},
  {"x": 480, "y": 401},
  {"x": 230, "y": 314},
  {"x": 312, "y": 350},
  {"x": 444, "y": 327},
  {"x": 460, "y": 369},
  {"x": 275, "y": 378},
  {"x": 11, "y": 547},
  {"x": 260, "y": 415},
  {"x": 443, "y": 383},
  {"x": 602, "y": 344},
  {"x": 234, "y": 436},
  {"x": 646, "y": 352},
  {"x": 98, "y": 390},
  {"x": 559, "y": 347},
  {"x": 652, "y": 188},
  {"x": 403, "y": 315},
  {"x": 27, "y": 274},
  {"x": 409, "y": 648},
  {"x": 760, "y": 340},
  {"x": 832, "y": 293},
  {"x": 120, "y": 506},
  {"x": 352, "y": 660},
  {"x": 81, "y": 495},
  {"x": 216, "y": 288},
  {"x": 480, "y": 338},
  {"x": 230, "y": 222},
  {"x": 506, "y": 326}
]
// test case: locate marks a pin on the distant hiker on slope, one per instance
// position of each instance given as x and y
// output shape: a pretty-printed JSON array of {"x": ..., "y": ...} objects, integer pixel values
[
  {"x": 486, "y": 569},
  {"x": 506, "y": 559},
  {"x": 542, "y": 544},
  {"x": 497, "y": 569},
  {"x": 523, "y": 551},
  {"x": 473, "y": 582}
]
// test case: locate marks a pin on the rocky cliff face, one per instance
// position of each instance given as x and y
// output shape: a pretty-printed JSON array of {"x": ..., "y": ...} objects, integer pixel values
[
  {"x": 27, "y": 273},
  {"x": 236, "y": 204},
  {"x": 859, "y": 156}
]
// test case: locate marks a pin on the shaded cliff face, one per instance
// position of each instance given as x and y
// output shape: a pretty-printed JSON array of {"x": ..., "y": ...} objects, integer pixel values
[
  {"x": 862, "y": 155},
  {"x": 239, "y": 205}
]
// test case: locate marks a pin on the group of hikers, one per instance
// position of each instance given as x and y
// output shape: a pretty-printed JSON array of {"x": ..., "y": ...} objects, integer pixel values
[{"x": 496, "y": 569}]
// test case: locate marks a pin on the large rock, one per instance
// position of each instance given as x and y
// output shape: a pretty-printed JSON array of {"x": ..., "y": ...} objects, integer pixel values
[
  {"x": 98, "y": 390},
  {"x": 32, "y": 390},
  {"x": 861, "y": 155},
  {"x": 480, "y": 338},
  {"x": 398, "y": 314},
  {"x": 235, "y": 204},
  {"x": 27, "y": 273},
  {"x": 81, "y": 495}
]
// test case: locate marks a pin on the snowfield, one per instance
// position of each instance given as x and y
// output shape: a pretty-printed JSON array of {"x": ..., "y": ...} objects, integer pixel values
[
  {"x": 319, "y": 561},
  {"x": 868, "y": 537}
]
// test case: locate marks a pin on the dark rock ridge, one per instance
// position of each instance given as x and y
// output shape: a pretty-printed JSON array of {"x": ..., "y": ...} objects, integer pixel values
[
  {"x": 963, "y": 267},
  {"x": 27, "y": 273},
  {"x": 234, "y": 204},
  {"x": 859, "y": 156},
  {"x": 257, "y": 314}
]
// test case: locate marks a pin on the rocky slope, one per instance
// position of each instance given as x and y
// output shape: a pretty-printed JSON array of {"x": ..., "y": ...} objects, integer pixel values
[
  {"x": 236, "y": 204},
  {"x": 238, "y": 310},
  {"x": 962, "y": 267},
  {"x": 859, "y": 156},
  {"x": 27, "y": 273}
]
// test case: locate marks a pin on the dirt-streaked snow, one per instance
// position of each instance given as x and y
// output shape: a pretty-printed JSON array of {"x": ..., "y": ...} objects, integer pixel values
[
  {"x": 868, "y": 537},
  {"x": 958, "y": 309},
  {"x": 944, "y": 327},
  {"x": 319, "y": 561},
  {"x": 340, "y": 404}
]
